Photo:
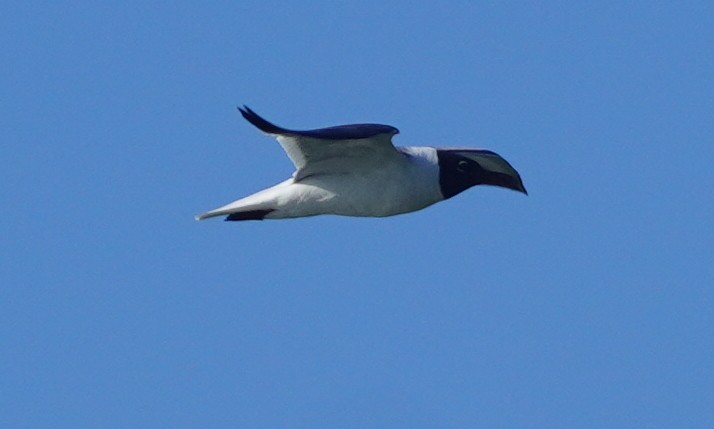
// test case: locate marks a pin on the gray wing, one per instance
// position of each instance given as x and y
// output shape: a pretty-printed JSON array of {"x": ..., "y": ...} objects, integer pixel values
[{"x": 338, "y": 149}]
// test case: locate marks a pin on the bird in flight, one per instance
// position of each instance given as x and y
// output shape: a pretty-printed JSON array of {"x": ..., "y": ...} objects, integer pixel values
[{"x": 355, "y": 170}]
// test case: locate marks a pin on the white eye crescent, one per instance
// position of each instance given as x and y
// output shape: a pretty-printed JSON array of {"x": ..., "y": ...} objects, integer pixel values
[{"x": 463, "y": 166}]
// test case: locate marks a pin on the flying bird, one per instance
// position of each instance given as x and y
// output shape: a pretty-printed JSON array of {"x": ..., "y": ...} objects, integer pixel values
[{"x": 355, "y": 170}]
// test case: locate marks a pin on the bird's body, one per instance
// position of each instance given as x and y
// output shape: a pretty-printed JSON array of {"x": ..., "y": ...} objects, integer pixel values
[{"x": 354, "y": 170}]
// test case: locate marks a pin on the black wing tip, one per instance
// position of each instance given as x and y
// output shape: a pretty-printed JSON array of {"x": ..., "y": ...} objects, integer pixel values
[
  {"x": 351, "y": 132},
  {"x": 259, "y": 122},
  {"x": 340, "y": 132},
  {"x": 248, "y": 215},
  {"x": 245, "y": 111}
]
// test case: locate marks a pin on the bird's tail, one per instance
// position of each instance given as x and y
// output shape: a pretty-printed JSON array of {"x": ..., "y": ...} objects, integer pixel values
[
  {"x": 252, "y": 207},
  {"x": 244, "y": 209},
  {"x": 234, "y": 215}
]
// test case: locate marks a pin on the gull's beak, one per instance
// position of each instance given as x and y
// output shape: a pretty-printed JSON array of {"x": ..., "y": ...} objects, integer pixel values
[{"x": 495, "y": 171}]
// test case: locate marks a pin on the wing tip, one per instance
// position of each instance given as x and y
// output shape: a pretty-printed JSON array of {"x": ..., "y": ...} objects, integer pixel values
[
  {"x": 259, "y": 122},
  {"x": 248, "y": 215},
  {"x": 340, "y": 132}
]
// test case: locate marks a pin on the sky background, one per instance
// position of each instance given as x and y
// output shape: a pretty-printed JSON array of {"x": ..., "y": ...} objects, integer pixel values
[{"x": 588, "y": 304}]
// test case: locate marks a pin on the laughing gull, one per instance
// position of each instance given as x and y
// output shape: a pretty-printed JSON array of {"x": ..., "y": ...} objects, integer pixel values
[{"x": 354, "y": 170}]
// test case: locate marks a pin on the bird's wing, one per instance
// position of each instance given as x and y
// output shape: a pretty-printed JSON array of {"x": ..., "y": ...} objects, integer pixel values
[{"x": 340, "y": 149}]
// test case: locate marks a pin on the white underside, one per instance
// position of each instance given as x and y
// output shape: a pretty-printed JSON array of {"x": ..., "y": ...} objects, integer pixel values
[{"x": 402, "y": 185}]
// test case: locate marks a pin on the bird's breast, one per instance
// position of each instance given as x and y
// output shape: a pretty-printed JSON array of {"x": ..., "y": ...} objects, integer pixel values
[{"x": 400, "y": 187}]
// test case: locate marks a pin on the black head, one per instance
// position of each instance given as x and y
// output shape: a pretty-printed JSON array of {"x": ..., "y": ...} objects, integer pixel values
[{"x": 460, "y": 169}]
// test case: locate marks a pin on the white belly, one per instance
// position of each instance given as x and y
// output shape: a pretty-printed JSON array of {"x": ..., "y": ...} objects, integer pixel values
[{"x": 377, "y": 192}]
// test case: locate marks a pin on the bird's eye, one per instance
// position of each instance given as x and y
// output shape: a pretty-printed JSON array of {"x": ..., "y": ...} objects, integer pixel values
[{"x": 463, "y": 166}]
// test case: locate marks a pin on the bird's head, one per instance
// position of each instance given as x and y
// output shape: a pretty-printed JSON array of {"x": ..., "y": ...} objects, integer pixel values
[{"x": 460, "y": 169}]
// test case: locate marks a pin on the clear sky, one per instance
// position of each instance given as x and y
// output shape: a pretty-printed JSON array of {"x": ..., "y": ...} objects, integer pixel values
[{"x": 588, "y": 304}]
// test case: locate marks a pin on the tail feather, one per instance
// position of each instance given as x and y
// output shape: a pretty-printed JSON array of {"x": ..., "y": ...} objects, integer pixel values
[
  {"x": 252, "y": 207},
  {"x": 236, "y": 214},
  {"x": 207, "y": 215}
]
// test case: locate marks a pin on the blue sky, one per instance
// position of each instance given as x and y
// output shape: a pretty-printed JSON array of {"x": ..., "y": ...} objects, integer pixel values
[{"x": 587, "y": 304}]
